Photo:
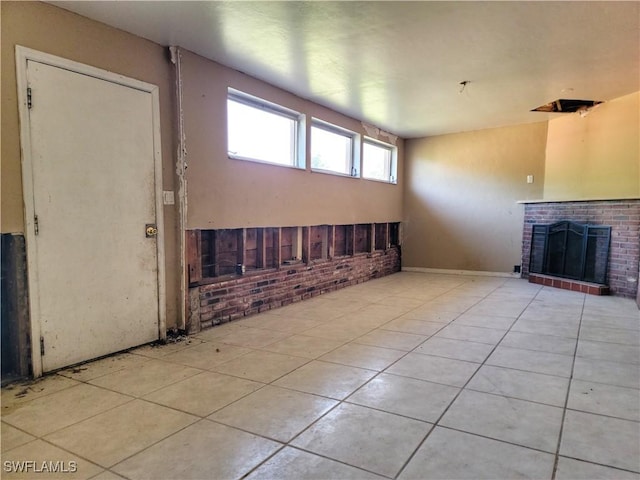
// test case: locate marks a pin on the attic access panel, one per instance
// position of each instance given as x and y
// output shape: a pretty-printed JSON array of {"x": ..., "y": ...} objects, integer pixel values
[{"x": 563, "y": 105}]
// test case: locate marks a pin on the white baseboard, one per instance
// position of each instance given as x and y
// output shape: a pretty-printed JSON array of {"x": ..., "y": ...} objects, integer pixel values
[{"x": 446, "y": 271}]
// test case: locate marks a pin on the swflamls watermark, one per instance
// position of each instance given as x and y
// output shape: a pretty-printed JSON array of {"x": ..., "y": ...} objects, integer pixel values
[{"x": 36, "y": 466}]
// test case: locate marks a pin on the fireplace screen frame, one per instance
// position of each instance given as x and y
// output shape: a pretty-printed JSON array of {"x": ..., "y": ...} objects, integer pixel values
[{"x": 571, "y": 250}]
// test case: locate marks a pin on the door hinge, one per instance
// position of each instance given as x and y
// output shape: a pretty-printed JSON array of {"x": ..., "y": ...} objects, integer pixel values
[
  {"x": 29, "y": 101},
  {"x": 36, "y": 225},
  {"x": 41, "y": 345}
]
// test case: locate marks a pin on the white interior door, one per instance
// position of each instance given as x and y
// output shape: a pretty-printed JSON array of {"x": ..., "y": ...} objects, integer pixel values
[{"x": 94, "y": 273}]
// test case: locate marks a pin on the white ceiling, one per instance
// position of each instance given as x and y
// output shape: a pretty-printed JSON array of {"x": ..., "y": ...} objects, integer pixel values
[{"x": 398, "y": 65}]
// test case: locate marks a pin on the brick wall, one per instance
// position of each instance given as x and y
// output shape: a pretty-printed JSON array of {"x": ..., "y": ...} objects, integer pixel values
[
  {"x": 238, "y": 296},
  {"x": 623, "y": 216}
]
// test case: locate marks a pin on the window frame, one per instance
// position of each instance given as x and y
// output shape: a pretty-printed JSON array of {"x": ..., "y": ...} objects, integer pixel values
[
  {"x": 298, "y": 149},
  {"x": 393, "y": 160},
  {"x": 354, "y": 151}
]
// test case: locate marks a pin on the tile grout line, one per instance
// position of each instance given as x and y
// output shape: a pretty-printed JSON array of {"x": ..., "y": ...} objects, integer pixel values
[
  {"x": 198, "y": 419},
  {"x": 277, "y": 386},
  {"x": 288, "y": 442},
  {"x": 132, "y": 398},
  {"x": 588, "y": 462},
  {"x": 437, "y": 422},
  {"x": 75, "y": 455},
  {"x": 295, "y": 447},
  {"x": 566, "y": 400},
  {"x": 337, "y": 404},
  {"x": 42, "y": 437},
  {"x": 344, "y": 400}
]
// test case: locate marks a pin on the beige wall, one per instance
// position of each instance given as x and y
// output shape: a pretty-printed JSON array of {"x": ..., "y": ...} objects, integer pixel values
[
  {"x": 223, "y": 193},
  {"x": 595, "y": 157},
  {"x": 461, "y": 193},
  {"x": 456, "y": 193},
  {"x": 228, "y": 193},
  {"x": 52, "y": 30}
]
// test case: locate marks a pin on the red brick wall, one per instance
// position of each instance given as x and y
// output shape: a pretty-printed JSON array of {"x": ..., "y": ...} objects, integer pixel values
[
  {"x": 232, "y": 298},
  {"x": 623, "y": 216}
]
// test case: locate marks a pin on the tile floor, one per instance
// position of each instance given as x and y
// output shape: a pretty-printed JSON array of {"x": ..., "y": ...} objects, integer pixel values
[{"x": 410, "y": 376}]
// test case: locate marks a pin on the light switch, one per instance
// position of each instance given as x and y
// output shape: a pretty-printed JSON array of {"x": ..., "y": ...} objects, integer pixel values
[
  {"x": 168, "y": 197},
  {"x": 529, "y": 178}
]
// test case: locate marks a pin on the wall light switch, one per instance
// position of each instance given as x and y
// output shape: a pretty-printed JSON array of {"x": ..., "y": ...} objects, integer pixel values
[
  {"x": 168, "y": 197},
  {"x": 529, "y": 178}
]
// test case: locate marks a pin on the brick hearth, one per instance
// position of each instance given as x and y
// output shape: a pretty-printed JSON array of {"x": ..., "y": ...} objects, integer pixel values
[{"x": 568, "y": 284}]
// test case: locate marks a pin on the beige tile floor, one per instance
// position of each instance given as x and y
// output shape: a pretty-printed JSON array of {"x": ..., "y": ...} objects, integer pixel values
[{"x": 413, "y": 376}]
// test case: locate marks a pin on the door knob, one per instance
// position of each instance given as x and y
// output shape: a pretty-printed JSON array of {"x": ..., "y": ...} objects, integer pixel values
[{"x": 151, "y": 230}]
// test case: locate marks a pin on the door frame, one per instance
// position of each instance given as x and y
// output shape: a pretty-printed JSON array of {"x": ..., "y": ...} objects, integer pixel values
[{"x": 23, "y": 55}]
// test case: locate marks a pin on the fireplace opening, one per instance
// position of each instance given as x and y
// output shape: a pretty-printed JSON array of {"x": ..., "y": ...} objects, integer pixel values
[{"x": 571, "y": 250}]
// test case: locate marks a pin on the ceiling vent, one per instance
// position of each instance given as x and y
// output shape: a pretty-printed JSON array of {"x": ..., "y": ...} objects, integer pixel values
[{"x": 563, "y": 105}]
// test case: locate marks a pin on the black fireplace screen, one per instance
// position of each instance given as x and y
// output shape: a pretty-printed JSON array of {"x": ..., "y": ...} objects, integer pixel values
[{"x": 571, "y": 250}]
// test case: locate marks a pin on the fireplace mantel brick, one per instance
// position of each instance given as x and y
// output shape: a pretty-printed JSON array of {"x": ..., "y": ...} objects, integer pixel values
[{"x": 623, "y": 216}]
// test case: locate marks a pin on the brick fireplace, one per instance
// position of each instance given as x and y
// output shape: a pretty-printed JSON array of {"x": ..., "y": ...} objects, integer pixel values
[{"x": 623, "y": 216}]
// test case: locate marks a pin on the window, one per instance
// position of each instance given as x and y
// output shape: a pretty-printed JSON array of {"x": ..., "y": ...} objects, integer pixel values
[
  {"x": 265, "y": 132},
  {"x": 333, "y": 149},
  {"x": 378, "y": 161}
]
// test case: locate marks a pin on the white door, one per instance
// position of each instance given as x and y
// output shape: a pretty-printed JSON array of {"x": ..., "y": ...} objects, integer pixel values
[{"x": 94, "y": 278}]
